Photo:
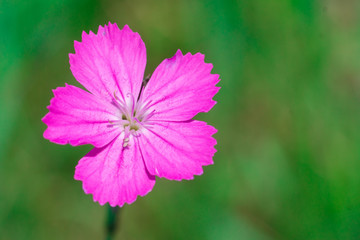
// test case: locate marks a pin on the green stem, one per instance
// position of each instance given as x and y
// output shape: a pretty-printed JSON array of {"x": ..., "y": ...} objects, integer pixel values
[{"x": 112, "y": 221}]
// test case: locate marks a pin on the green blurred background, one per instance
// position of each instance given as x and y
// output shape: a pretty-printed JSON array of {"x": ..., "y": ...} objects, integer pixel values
[{"x": 288, "y": 116}]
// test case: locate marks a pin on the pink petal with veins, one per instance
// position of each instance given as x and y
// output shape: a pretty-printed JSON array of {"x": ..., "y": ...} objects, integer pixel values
[
  {"x": 78, "y": 117},
  {"x": 114, "y": 174},
  {"x": 112, "y": 60},
  {"x": 178, "y": 150},
  {"x": 181, "y": 87}
]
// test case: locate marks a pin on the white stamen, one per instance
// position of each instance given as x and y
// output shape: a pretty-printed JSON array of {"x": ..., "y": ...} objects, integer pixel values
[{"x": 133, "y": 116}]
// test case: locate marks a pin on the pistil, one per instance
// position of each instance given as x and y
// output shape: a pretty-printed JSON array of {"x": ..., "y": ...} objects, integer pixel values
[{"x": 132, "y": 116}]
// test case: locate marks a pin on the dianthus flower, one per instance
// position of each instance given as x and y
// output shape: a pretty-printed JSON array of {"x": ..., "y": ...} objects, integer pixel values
[{"x": 138, "y": 131}]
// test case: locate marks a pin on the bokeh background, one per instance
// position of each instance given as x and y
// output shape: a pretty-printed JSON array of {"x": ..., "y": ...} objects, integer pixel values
[{"x": 288, "y": 116}]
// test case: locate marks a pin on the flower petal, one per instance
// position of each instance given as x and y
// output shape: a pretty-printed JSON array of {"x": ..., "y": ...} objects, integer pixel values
[
  {"x": 112, "y": 60},
  {"x": 115, "y": 174},
  {"x": 181, "y": 87},
  {"x": 78, "y": 117},
  {"x": 178, "y": 150}
]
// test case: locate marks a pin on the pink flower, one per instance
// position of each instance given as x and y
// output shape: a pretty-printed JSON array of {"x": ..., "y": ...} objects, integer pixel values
[{"x": 139, "y": 132}]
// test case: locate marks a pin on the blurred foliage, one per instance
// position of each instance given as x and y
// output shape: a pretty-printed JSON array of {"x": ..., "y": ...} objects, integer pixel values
[{"x": 288, "y": 116}]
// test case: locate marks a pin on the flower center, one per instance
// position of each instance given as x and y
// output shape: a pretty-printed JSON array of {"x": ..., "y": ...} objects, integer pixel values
[{"x": 133, "y": 116}]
